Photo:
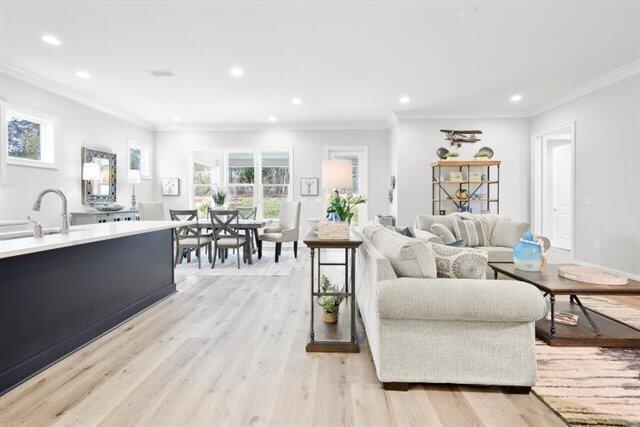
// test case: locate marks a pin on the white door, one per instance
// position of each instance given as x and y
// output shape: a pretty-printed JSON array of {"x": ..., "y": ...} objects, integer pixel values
[
  {"x": 562, "y": 205},
  {"x": 358, "y": 157}
]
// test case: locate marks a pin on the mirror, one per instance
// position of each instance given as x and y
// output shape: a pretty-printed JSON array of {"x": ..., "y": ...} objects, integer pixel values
[{"x": 103, "y": 189}]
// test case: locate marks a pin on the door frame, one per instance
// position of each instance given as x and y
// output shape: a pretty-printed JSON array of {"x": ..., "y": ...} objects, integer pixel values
[
  {"x": 190, "y": 158},
  {"x": 538, "y": 173},
  {"x": 363, "y": 172}
]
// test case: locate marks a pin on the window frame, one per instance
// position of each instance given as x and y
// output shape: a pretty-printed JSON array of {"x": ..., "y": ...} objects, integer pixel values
[
  {"x": 52, "y": 127},
  {"x": 146, "y": 157},
  {"x": 190, "y": 185}
]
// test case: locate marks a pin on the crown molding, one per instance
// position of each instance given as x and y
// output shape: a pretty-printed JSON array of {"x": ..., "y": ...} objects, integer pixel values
[
  {"x": 48, "y": 85},
  {"x": 495, "y": 115},
  {"x": 603, "y": 81},
  {"x": 302, "y": 126}
]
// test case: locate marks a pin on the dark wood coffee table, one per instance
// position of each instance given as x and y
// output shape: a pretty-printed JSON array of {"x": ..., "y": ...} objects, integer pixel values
[{"x": 594, "y": 329}]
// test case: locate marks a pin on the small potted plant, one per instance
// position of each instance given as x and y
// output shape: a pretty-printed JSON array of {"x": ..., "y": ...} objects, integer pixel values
[
  {"x": 219, "y": 197},
  {"x": 452, "y": 155},
  {"x": 329, "y": 303},
  {"x": 341, "y": 207}
]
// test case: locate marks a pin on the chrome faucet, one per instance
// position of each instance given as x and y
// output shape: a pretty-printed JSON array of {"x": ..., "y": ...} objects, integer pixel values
[{"x": 64, "y": 227}]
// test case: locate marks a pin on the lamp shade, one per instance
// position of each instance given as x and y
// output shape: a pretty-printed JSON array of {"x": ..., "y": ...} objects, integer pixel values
[
  {"x": 91, "y": 171},
  {"x": 133, "y": 177},
  {"x": 336, "y": 173}
]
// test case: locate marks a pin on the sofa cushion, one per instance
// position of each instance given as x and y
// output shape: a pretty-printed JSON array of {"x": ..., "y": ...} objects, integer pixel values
[
  {"x": 460, "y": 263},
  {"x": 409, "y": 257},
  {"x": 424, "y": 222},
  {"x": 370, "y": 229},
  {"x": 473, "y": 232},
  {"x": 444, "y": 233},
  {"x": 497, "y": 253},
  {"x": 427, "y": 236},
  {"x": 506, "y": 234}
]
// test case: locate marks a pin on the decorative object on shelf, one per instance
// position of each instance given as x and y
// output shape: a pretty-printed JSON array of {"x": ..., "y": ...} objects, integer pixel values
[
  {"x": 442, "y": 153},
  {"x": 591, "y": 275},
  {"x": 342, "y": 206},
  {"x": 392, "y": 182},
  {"x": 462, "y": 194},
  {"x": 443, "y": 212},
  {"x": 309, "y": 186},
  {"x": 457, "y": 137},
  {"x": 455, "y": 176},
  {"x": 527, "y": 253},
  {"x": 465, "y": 208},
  {"x": 452, "y": 155},
  {"x": 108, "y": 207},
  {"x": 390, "y": 196},
  {"x": 484, "y": 153},
  {"x": 475, "y": 177},
  {"x": 564, "y": 318},
  {"x": 218, "y": 196},
  {"x": 333, "y": 230},
  {"x": 329, "y": 303},
  {"x": 102, "y": 188},
  {"x": 170, "y": 186},
  {"x": 133, "y": 178}
]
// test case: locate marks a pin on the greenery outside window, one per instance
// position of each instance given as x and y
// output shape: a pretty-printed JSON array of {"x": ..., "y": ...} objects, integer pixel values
[
  {"x": 140, "y": 158},
  {"x": 30, "y": 138},
  {"x": 241, "y": 179}
]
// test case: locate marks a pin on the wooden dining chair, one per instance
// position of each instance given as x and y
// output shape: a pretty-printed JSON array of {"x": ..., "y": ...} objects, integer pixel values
[
  {"x": 189, "y": 238},
  {"x": 250, "y": 213},
  {"x": 226, "y": 234}
]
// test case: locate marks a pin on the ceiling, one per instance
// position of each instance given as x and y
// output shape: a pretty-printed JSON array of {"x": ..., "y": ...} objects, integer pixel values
[{"x": 347, "y": 62}]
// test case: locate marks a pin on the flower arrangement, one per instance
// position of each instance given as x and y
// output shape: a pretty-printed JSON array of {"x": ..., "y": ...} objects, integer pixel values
[
  {"x": 341, "y": 207},
  {"x": 218, "y": 196}
]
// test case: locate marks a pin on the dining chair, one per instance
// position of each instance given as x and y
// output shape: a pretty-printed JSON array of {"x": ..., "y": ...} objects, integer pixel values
[
  {"x": 287, "y": 229},
  {"x": 189, "y": 238},
  {"x": 151, "y": 211},
  {"x": 250, "y": 213},
  {"x": 226, "y": 234}
]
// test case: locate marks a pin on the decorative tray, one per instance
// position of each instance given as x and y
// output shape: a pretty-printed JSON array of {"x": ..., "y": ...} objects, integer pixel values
[{"x": 591, "y": 275}]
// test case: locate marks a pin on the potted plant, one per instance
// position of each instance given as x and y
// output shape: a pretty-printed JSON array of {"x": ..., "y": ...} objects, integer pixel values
[
  {"x": 329, "y": 303},
  {"x": 219, "y": 197},
  {"x": 452, "y": 155},
  {"x": 342, "y": 206}
]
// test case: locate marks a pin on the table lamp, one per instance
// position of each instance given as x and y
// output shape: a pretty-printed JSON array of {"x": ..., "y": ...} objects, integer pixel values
[
  {"x": 133, "y": 178},
  {"x": 336, "y": 174},
  {"x": 91, "y": 172}
]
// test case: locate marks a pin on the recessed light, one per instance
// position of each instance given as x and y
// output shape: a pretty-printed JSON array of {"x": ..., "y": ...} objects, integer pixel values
[
  {"x": 177, "y": 119},
  {"x": 272, "y": 119},
  {"x": 51, "y": 39},
  {"x": 468, "y": 11},
  {"x": 83, "y": 74},
  {"x": 405, "y": 100},
  {"x": 236, "y": 72},
  {"x": 296, "y": 101},
  {"x": 516, "y": 98}
]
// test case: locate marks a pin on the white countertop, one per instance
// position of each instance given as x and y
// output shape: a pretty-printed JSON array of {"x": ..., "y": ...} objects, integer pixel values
[{"x": 82, "y": 234}]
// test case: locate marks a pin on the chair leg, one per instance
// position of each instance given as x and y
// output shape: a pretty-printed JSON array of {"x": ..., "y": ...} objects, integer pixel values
[
  {"x": 238, "y": 255},
  {"x": 215, "y": 255},
  {"x": 198, "y": 252},
  {"x": 209, "y": 251},
  {"x": 295, "y": 249},
  {"x": 278, "y": 248}
]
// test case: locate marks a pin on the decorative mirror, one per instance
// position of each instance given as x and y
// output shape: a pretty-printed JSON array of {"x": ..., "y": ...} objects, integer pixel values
[{"x": 100, "y": 186}]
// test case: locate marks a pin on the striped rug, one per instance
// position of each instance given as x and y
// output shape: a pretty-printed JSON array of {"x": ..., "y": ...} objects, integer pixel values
[
  {"x": 260, "y": 267},
  {"x": 590, "y": 385}
]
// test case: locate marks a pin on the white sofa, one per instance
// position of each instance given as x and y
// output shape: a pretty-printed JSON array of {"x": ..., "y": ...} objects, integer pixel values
[{"x": 446, "y": 330}]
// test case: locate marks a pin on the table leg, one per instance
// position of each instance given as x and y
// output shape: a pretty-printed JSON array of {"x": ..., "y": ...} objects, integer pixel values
[
  {"x": 311, "y": 333},
  {"x": 259, "y": 247},
  {"x": 495, "y": 274},
  {"x": 552, "y": 298},
  {"x": 247, "y": 236},
  {"x": 586, "y": 314},
  {"x": 255, "y": 236},
  {"x": 353, "y": 295}
]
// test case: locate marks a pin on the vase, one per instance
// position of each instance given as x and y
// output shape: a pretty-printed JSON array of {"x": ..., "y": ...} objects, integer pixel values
[
  {"x": 527, "y": 254},
  {"x": 330, "y": 317}
]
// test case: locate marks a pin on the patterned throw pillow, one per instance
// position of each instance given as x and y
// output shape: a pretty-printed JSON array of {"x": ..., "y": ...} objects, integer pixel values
[
  {"x": 460, "y": 263},
  {"x": 443, "y": 232},
  {"x": 473, "y": 232}
]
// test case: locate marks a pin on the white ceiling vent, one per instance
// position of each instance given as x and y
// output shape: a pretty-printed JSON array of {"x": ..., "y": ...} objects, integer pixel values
[{"x": 161, "y": 73}]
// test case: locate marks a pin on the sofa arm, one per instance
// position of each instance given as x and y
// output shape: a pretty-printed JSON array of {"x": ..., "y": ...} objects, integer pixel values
[
  {"x": 460, "y": 299},
  {"x": 427, "y": 236}
]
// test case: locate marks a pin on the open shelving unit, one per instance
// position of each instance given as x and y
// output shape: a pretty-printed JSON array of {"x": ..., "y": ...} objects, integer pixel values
[{"x": 443, "y": 190}]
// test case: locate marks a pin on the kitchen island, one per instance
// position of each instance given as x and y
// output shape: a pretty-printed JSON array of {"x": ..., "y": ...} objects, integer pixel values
[{"x": 61, "y": 291}]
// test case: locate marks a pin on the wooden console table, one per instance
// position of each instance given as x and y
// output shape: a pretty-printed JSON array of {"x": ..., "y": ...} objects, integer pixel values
[{"x": 350, "y": 245}]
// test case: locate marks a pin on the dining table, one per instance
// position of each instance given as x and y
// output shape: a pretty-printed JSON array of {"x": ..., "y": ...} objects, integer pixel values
[{"x": 250, "y": 226}]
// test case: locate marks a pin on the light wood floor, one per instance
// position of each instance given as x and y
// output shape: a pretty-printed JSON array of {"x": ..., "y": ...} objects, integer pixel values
[{"x": 230, "y": 351}]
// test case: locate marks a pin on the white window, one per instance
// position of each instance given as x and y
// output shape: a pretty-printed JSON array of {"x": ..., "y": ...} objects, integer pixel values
[
  {"x": 140, "y": 158},
  {"x": 205, "y": 177},
  {"x": 29, "y": 138},
  {"x": 259, "y": 178}
]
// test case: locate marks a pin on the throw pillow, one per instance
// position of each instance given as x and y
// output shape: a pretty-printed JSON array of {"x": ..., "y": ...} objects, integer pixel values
[
  {"x": 506, "y": 234},
  {"x": 409, "y": 257},
  {"x": 460, "y": 263},
  {"x": 443, "y": 232},
  {"x": 473, "y": 232},
  {"x": 407, "y": 231}
]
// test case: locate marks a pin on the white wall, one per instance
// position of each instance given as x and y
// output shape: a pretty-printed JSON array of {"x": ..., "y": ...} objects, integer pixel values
[
  {"x": 173, "y": 153},
  {"x": 607, "y": 127},
  {"x": 78, "y": 126},
  {"x": 417, "y": 141}
]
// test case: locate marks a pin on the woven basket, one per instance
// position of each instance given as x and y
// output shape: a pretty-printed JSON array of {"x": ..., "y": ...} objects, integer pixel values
[{"x": 590, "y": 275}]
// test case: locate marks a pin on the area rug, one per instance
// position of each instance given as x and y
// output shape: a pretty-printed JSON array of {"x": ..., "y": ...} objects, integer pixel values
[
  {"x": 590, "y": 385},
  {"x": 260, "y": 267}
]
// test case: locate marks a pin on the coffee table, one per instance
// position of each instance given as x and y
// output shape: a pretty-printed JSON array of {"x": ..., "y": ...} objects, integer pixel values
[{"x": 594, "y": 329}]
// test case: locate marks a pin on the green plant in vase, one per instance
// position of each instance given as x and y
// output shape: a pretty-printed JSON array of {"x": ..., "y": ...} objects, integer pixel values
[
  {"x": 342, "y": 206},
  {"x": 219, "y": 197},
  {"x": 329, "y": 303}
]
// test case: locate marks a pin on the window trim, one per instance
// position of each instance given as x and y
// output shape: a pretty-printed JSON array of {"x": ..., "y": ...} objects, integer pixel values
[
  {"x": 14, "y": 161},
  {"x": 144, "y": 148},
  {"x": 190, "y": 159}
]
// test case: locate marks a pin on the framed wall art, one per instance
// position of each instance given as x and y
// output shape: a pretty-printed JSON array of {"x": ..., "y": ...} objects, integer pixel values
[
  {"x": 309, "y": 186},
  {"x": 170, "y": 186}
]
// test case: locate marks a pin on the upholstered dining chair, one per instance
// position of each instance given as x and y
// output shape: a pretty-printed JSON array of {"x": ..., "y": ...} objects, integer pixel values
[
  {"x": 189, "y": 238},
  {"x": 151, "y": 211},
  {"x": 287, "y": 229},
  {"x": 226, "y": 234}
]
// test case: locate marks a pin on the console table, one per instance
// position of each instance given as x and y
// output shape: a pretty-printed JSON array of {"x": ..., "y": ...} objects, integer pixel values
[
  {"x": 350, "y": 245},
  {"x": 98, "y": 217}
]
